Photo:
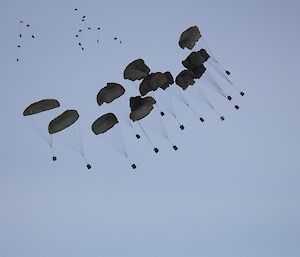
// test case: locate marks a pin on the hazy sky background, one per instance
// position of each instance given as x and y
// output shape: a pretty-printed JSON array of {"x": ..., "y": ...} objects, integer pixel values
[{"x": 231, "y": 190}]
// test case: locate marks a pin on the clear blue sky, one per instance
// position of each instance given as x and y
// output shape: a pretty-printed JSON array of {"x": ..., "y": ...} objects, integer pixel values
[{"x": 231, "y": 190}]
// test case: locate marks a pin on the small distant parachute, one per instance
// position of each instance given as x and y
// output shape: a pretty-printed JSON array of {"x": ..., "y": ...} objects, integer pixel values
[
  {"x": 109, "y": 93},
  {"x": 189, "y": 37},
  {"x": 136, "y": 70}
]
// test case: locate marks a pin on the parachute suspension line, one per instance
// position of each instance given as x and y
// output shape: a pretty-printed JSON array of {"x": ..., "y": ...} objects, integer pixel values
[
  {"x": 156, "y": 150},
  {"x": 191, "y": 108},
  {"x": 82, "y": 147},
  {"x": 220, "y": 90},
  {"x": 226, "y": 78},
  {"x": 125, "y": 153},
  {"x": 161, "y": 112},
  {"x": 128, "y": 121},
  {"x": 213, "y": 56},
  {"x": 54, "y": 158},
  {"x": 47, "y": 140},
  {"x": 180, "y": 97},
  {"x": 165, "y": 132},
  {"x": 172, "y": 110}
]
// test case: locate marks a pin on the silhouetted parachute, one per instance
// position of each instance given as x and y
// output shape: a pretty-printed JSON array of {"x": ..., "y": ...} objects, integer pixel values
[
  {"x": 64, "y": 121},
  {"x": 140, "y": 109},
  {"x": 136, "y": 70},
  {"x": 104, "y": 123},
  {"x": 38, "y": 116},
  {"x": 185, "y": 78},
  {"x": 189, "y": 37},
  {"x": 109, "y": 93},
  {"x": 107, "y": 125},
  {"x": 41, "y": 106},
  {"x": 154, "y": 81}
]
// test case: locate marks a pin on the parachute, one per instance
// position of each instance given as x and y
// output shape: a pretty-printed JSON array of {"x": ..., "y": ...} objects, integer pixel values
[
  {"x": 109, "y": 93},
  {"x": 136, "y": 70},
  {"x": 61, "y": 123},
  {"x": 41, "y": 106},
  {"x": 189, "y": 37},
  {"x": 37, "y": 114},
  {"x": 140, "y": 110},
  {"x": 108, "y": 124}
]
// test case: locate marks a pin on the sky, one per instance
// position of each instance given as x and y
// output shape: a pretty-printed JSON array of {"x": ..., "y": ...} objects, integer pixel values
[{"x": 232, "y": 188}]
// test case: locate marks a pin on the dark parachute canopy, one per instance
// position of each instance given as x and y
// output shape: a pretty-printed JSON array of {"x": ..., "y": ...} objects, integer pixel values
[
  {"x": 109, "y": 93},
  {"x": 140, "y": 107},
  {"x": 136, "y": 70},
  {"x": 195, "y": 59},
  {"x": 41, "y": 106},
  {"x": 194, "y": 62},
  {"x": 63, "y": 121},
  {"x": 154, "y": 81},
  {"x": 104, "y": 123},
  {"x": 189, "y": 38},
  {"x": 185, "y": 78}
]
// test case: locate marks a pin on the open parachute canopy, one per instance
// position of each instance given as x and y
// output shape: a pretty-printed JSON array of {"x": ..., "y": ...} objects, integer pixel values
[
  {"x": 104, "y": 123},
  {"x": 63, "y": 121},
  {"x": 109, "y": 93},
  {"x": 155, "y": 80},
  {"x": 41, "y": 106},
  {"x": 189, "y": 37},
  {"x": 136, "y": 70},
  {"x": 140, "y": 107},
  {"x": 185, "y": 78}
]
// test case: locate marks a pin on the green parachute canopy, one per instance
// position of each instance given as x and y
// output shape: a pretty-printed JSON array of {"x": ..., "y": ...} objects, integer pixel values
[
  {"x": 140, "y": 107},
  {"x": 63, "y": 121},
  {"x": 41, "y": 106},
  {"x": 104, "y": 123},
  {"x": 136, "y": 70},
  {"x": 189, "y": 37},
  {"x": 109, "y": 93},
  {"x": 185, "y": 78}
]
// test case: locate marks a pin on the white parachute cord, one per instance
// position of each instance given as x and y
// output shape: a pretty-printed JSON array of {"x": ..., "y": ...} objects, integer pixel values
[
  {"x": 200, "y": 96},
  {"x": 171, "y": 108},
  {"x": 146, "y": 135},
  {"x": 47, "y": 140},
  {"x": 212, "y": 54},
  {"x": 179, "y": 96},
  {"x": 215, "y": 85},
  {"x": 127, "y": 120},
  {"x": 157, "y": 105}
]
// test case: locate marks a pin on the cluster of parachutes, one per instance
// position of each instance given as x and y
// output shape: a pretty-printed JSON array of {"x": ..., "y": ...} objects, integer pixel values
[{"x": 198, "y": 65}]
